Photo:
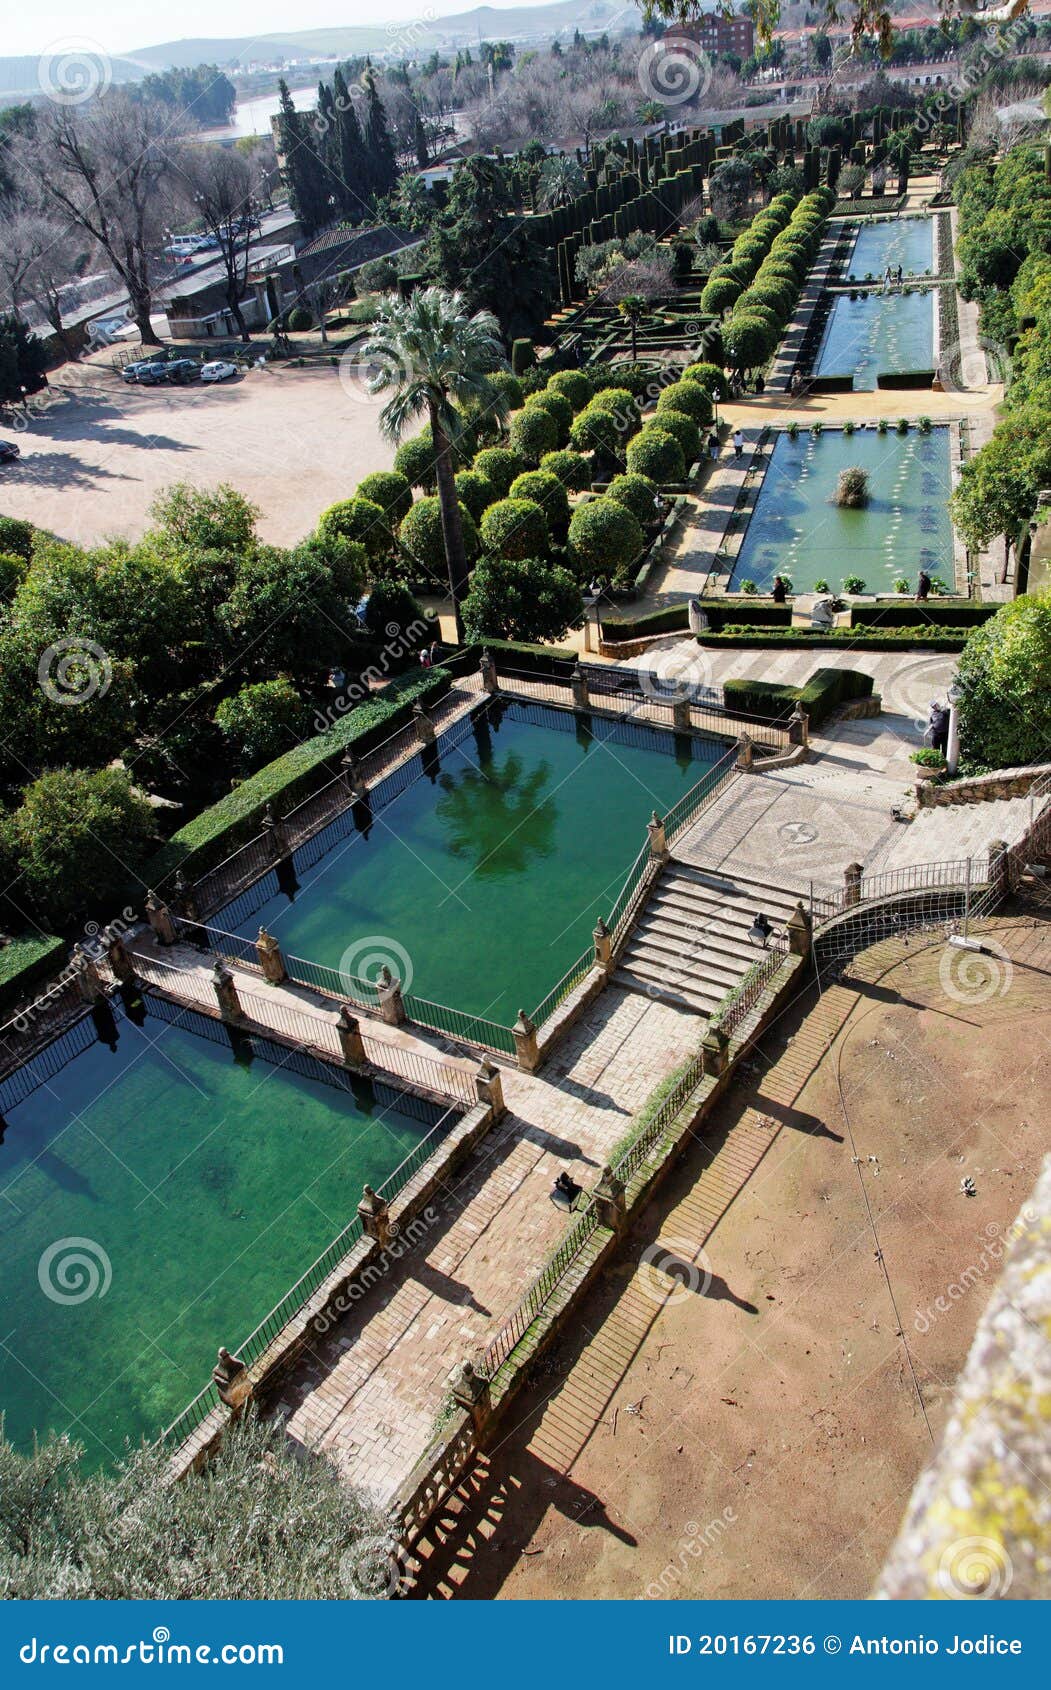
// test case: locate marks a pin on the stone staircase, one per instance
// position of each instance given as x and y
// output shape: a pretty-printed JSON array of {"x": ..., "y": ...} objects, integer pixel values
[{"x": 690, "y": 946}]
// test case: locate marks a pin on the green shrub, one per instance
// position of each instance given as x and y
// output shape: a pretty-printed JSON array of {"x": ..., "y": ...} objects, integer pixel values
[
  {"x": 414, "y": 459},
  {"x": 262, "y": 720},
  {"x": 638, "y": 494},
  {"x": 500, "y": 466},
  {"x": 358, "y": 520},
  {"x": 572, "y": 468},
  {"x": 604, "y": 539},
  {"x": 16, "y": 537},
  {"x": 928, "y": 758},
  {"x": 657, "y": 454},
  {"x": 545, "y": 490},
  {"x": 13, "y": 570},
  {"x": 1005, "y": 675},
  {"x": 515, "y": 529},
  {"x": 574, "y": 384},
  {"x": 508, "y": 387},
  {"x": 523, "y": 356},
  {"x": 475, "y": 492},
  {"x": 558, "y": 409},
  {"x": 528, "y": 599},
  {"x": 532, "y": 433},
  {"x": 688, "y": 398},
  {"x": 26, "y": 959},
  {"x": 709, "y": 376},
  {"x": 388, "y": 489},
  {"x": 684, "y": 430},
  {"x": 600, "y": 432},
  {"x": 749, "y": 341},
  {"x": 853, "y": 584},
  {"x": 824, "y": 692},
  {"x": 720, "y": 293},
  {"x": 614, "y": 399},
  {"x": 300, "y": 319},
  {"x": 391, "y": 612},
  {"x": 421, "y": 536},
  {"x": 903, "y": 426}
]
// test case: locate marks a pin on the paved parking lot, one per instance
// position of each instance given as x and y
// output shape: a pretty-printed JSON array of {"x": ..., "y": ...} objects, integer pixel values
[{"x": 97, "y": 451}]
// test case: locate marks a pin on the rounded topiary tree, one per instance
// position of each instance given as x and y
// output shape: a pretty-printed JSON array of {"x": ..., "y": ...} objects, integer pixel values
[
  {"x": 475, "y": 492},
  {"x": 572, "y": 468},
  {"x": 574, "y": 384},
  {"x": 689, "y": 399},
  {"x": 558, "y": 409},
  {"x": 515, "y": 529},
  {"x": 360, "y": 520},
  {"x": 601, "y": 433},
  {"x": 720, "y": 292},
  {"x": 613, "y": 399},
  {"x": 414, "y": 459},
  {"x": 532, "y": 433},
  {"x": 711, "y": 378},
  {"x": 638, "y": 494},
  {"x": 1005, "y": 676},
  {"x": 500, "y": 466},
  {"x": 749, "y": 342},
  {"x": 685, "y": 431},
  {"x": 528, "y": 600},
  {"x": 545, "y": 490},
  {"x": 421, "y": 537},
  {"x": 389, "y": 489},
  {"x": 391, "y": 610},
  {"x": 508, "y": 386},
  {"x": 657, "y": 454},
  {"x": 604, "y": 539}
]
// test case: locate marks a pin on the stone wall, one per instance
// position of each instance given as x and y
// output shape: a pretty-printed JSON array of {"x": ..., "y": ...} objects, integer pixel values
[{"x": 982, "y": 789}]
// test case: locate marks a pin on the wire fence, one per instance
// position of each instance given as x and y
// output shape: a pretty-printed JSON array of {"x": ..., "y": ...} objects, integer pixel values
[
  {"x": 539, "y": 1292},
  {"x": 636, "y": 694}
]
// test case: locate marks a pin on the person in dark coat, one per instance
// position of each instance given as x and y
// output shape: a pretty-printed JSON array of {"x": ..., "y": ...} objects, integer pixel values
[
  {"x": 923, "y": 586},
  {"x": 780, "y": 590}
]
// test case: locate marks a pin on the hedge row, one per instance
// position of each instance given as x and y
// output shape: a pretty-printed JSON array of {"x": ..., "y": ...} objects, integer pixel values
[
  {"x": 824, "y": 692},
  {"x": 940, "y": 613},
  {"x": 219, "y": 830},
  {"x": 720, "y": 616},
  {"x": 897, "y": 639},
  {"x": 24, "y": 961}
]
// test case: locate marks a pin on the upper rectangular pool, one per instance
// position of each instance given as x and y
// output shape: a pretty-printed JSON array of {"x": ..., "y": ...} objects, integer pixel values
[
  {"x": 908, "y": 241},
  {"x": 878, "y": 334}
]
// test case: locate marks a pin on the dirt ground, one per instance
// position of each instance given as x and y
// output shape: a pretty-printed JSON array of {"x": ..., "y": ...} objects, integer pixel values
[
  {"x": 755, "y": 1386},
  {"x": 97, "y": 451}
]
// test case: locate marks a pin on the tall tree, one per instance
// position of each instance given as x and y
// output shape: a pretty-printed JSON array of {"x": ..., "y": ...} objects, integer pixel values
[
  {"x": 309, "y": 188},
  {"x": 219, "y": 185},
  {"x": 379, "y": 148},
  {"x": 351, "y": 163},
  {"x": 106, "y": 168},
  {"x": 437, "y": 358}
]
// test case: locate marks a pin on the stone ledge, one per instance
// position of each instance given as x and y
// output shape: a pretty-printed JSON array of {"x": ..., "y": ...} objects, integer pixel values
[{"x": 982, "y": 789}]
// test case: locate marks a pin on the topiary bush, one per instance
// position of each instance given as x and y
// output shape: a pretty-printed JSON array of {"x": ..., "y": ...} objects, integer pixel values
[
  {"x": 16, "y": 537},
  {"x": 515, "y": 529},
  {"x": 574, "y": 384},
  {"x": 684, "y": 430},
  {"x": 604, "y": 539},
  {"x": 638, "y": 494},
  {"x": 711, "y": 378},
  {"x": 523, "y": 356},
  {"x": 359, "y": 520},
  {"x": 545, "y": 490},
  {"x": 558, "y": 409},
  {"x": 1005, "y": 676},
  {"x": 689, "y": 399},
  {"x": 390, "y": 490},
  {"x": 532, "y": 433},
  {"x": 572, "y": 468},
  {"x": 475, "y": 491},
  {"x": 414, "y": 459},
  {"x": 500, "y": 466},
  {"x": 720, "y": 293},
  {"x": 421, "y": 536},
  {"x": 658, "y": 455},
  {"x": 599, "y": 432},
  {"x": 618, "y": 399},
  {"x": 300, "y": 319}
]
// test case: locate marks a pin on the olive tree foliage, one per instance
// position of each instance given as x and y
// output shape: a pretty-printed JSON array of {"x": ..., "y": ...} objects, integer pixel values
[
  {"x": 255, "y": 1524},
  {"x": 107, "y": 169}
]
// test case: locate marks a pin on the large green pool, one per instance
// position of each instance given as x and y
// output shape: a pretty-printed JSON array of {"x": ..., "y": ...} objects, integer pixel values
[
  {"x": 481, "y": 886},
  {"x": 795, "y": 529},
  {"x": 194, "y": 1185},
  {"x": 878, "y": 334},
  {"x": 908, "y": 241}
]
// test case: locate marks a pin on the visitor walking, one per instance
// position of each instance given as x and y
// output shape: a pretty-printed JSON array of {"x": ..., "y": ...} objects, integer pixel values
[
  {"x": 900, "y": 275},
  {"x": 923, "y": 587},
  {"x": 937, "y": 734},
  {"x": 713, "y": 445},
  {"x": 780, "y": 590},
  {"x": 738, "y": 442}
]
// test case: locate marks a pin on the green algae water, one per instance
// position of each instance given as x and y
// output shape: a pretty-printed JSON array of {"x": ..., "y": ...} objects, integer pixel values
[
  {"x": 796, "y": 530},
  {"x": 156, "y": 1201},
  {"x": 908, "y": 241},
  {"x": 878, "y": 334},
  {"x": 480, "y": 886}
]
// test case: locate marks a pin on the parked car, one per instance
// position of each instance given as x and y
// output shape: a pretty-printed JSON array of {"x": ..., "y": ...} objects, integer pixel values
[
  {"x": 183, "y": 369},
  {"x": 220, "y": 369},
  {"x": 130, "y": 372},
  {"x": 9, "y": 452},
  {"x": 150, "y": 373}
]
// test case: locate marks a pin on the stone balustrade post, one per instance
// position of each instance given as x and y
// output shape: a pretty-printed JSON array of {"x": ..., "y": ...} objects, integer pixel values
[
  {"x": 225, "y": 989},
  {"x": 852, "y": 884},
  {"x": 159, "y": 917},
  {"x": 526, "y": 1048},
  {"x": 745, "y": 751},
  {"x": 680, "y": 715},
  {"x": 353, "y": 777},
  {"x": 578, "y": 686},
  {"x": 603, "y": 946},
  {"x": 272, "y": 828},
  {"x": 799, "y": 727},
  {"x": 271, "y": 960},
  {"x": 388, "y": 991},
  {"x": 610, "y": 1200},
  {"x": 489, "y": 1087},
  {"x": 470, "y": 1390},
  {"x": 658, "y": 839},
  {"x": 231, "y": 1380},
  {"x": 351, "y": 1042},
  {"x": 423, "y": 725},
  {"x": 186, "y": 897},
  {"x": 799, "y": 932},
  {"x": 374, "y": 1215},
  {"x": 999, "y": 869},
  {"x": 714, "y": 1048},
  {"x": 120, "y": 961},
  {"x": 89, "y": 980},
  {"x": 487, "y": 669}
]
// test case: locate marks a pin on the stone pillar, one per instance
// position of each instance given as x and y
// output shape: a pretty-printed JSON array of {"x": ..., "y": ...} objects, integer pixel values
[
  {"x": 658, "y": 840},
  {"x": 489, "y": 1087},
  {"x": 185, "y": 897},
  {"x": 603, "y": 946},
  {"x": 353, "y": 779},
  {"x": 120, "y": 962},
  {"x": 89, "y": 980},
  {"x": 526, "y": 1048},
  {"x": 799, "y": 727},
  {"x": 388, "y": 990},
  {"x": 745, "y": 752},
  {"x": 952, "y": 747},
  {"x": 578, "y": 686},
  {"x": 609, "y": 1200},
  {"x": 160, "y": 919},
  {"x": 423, "y": 725},
  {"x": 273, "y": 830},
  {"x": 225, "y": 991},
  {"x": 714, "y": 1047},
  {"x": 374, "y": 1216},
  {"x": 351, "y": 1042},
  {"x": 798, "y": 930},
  {"x": 488, "y": 672},
  {"x": 470, "y": 1390},
  {"x": 998, "y": 869},
  {"x": 231, "y": 1380},
  {"x": 852, "y": 884},
  {"x": 680, "y": 715},
  {"x": 270, "y": 959}
]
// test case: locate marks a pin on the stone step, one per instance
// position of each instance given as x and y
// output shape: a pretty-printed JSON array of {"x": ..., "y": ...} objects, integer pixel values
[
  {"x": 665, "y": 928},
  {"x": 734, "y": 889},
  {"x": 730, "y": 921},
  {"x": 687, "y": 962},
  {"x": 695, "y": 999}
]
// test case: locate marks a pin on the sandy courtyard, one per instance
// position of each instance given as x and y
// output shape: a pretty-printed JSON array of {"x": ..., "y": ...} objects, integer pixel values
[
  {"x": 755, "y": 1386},
  {"x": 96, "y": 454}
]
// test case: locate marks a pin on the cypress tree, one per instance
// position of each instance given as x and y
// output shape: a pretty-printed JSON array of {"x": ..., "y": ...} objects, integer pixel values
[
  {"x": 379, "y": 149},
  {"x": 351, "y": 162},
  {"x": 301, "y": 168}
]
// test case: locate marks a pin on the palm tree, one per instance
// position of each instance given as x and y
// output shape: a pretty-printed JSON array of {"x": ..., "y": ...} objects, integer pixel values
[
  {"x": 437, "y": 359},
  {"x": 561, "y": 180},
  {"x": 633, "y": 308}
]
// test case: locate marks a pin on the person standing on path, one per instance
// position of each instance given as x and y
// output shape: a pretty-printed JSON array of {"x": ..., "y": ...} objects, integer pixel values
[{"x": 738, "y": 442}]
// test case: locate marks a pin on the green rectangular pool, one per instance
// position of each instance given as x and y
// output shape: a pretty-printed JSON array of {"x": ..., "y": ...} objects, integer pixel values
[
  {"x": 796, "y": 530},
  {"x": 156, "y": 1200},
  {"x": 908, "y": 241},
  {"x": 480, "y": 886},
  {"x": 878, "y": 334}
]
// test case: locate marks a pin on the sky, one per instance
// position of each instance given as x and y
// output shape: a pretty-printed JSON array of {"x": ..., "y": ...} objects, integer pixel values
[{"x": 119, "y": 26}]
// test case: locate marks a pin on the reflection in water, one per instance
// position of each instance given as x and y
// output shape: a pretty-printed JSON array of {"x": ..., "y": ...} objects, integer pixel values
[{"x": 497, "y": 816}]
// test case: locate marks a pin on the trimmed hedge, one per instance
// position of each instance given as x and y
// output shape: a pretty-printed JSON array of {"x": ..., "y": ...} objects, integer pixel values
[
  {"x": 899, "y": 639},
  {"x": 719, "y": 615},
  {"x": 824, "y": 692},
  {"x": 559, "y": 661},
  {"x": 25, "y": 961},
  {"x": 219, "y": 830},
  {"x": 940, "y": 613}
]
